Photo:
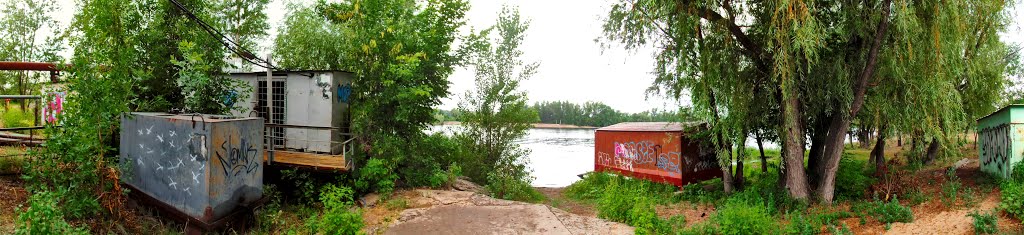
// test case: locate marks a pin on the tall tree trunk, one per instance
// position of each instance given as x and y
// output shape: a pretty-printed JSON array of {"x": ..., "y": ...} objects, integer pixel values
[
  {"x": 817, "y": 152},
  {"x": 741, "y": 155},
  {"x": 841, "y": 123},
  {"x": 864, "y": 138},
  {"x": 793, "y": 140},
  {"x": 878, "y": 153},
  {"x": 933, "y": 150},
  {"x": 764, "y": 160},
  {"x": 899, "y": 140}
]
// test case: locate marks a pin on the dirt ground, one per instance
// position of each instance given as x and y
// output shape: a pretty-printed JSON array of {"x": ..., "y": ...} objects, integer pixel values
[
  {"x": 12, "y": 194},
  {"x": 457, "y": 212}
]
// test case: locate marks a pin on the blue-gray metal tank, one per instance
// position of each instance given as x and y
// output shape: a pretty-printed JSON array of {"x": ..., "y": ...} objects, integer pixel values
[{"x": 204, "y": 166}]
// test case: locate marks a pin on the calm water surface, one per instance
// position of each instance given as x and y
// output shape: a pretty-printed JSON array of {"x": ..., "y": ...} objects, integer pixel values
[{"x": 558, "y": 155}]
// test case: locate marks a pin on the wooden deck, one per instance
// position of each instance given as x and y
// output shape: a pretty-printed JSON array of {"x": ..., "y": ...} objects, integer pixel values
[{"x": 312, "y": 160}]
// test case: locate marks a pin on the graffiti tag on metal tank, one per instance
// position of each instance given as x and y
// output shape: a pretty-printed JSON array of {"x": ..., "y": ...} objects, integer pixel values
[
  {"x": 647, "y": 154},
  {"x": 995, "y": 148},
  {"x": 240, "y": 159}
]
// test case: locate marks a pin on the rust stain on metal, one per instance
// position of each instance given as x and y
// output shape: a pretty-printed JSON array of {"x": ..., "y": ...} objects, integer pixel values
[{"x": 658, "y": 152}]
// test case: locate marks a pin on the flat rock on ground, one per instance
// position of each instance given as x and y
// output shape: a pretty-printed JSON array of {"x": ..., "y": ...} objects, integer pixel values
[{"x": 455, "y": 212}]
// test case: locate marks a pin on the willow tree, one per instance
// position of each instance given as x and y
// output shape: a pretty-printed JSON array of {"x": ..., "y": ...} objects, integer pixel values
[{"x": 814, "y": 60}]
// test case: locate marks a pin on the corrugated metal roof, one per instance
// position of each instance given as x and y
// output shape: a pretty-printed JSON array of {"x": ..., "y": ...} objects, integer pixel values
[{"x": 650, "y": 126}]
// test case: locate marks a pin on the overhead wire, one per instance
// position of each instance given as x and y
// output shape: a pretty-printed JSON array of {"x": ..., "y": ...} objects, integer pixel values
[{"x": 228, "y": 43}]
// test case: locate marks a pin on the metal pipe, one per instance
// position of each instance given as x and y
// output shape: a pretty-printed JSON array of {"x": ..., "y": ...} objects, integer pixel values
[
  {"x": 20, "y": 97},
  {"x": 29, "y": 66}
]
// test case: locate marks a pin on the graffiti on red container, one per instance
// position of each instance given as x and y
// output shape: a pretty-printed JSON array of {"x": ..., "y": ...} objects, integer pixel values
[{"x": 641, "y": 154}]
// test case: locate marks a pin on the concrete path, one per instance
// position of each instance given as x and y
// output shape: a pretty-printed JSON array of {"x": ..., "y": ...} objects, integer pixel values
[{"x": 456, "y": 212}]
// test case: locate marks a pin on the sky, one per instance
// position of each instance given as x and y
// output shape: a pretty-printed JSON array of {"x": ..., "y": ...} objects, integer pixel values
[{"x": 561, "y": 38}]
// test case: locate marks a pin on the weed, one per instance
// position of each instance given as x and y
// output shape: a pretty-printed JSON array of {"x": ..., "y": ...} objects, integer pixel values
[
  {"x": 984, "y": 223},
  {"x": 590, "y": 188},
  {"x": 15, "y": 117},
  {"x": 1012, "y": 198},
  {"x": 43, "y": 216},
  {"x": 885, "y": 212},
  {"x": 916, "y": 197},
  {"x": 744, "y": 216},
  {"x": 377, "y": 176},
  {"x": 339, "y": 216},
  {"x": 305, "y": 185},
  {"x": 798, "y": 224},
  {"x": 852, "y": 180},
  {"x": 697, "y": 194},
  {"x": 951, "y": 189},
  {"x": 397, "y": 203},
  {"x": 842, "y": 229}
]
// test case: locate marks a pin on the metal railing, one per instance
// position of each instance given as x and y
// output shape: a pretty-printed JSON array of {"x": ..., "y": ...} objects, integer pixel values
[{"x": 271, "y": 141}]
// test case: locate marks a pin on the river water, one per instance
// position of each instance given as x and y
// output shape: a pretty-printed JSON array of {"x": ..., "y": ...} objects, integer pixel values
[{"x": 557, "y": 156}]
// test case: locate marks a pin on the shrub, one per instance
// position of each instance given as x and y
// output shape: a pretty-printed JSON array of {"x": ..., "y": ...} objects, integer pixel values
[
  {"x": 798, "y": 224},
  {"x": 886, "y": 212},
  {"x": 1012, "y": 198},
  {"x": 15, "y": 117},
  {"x": 376, "y": 176},
  {"x": 43, "y": 216},
  {"x": 339, "y": 216},
  {"x": 591, "y": 187},
  {"x": 305, "y": 185},
  {"x": 510, "y": 178},
  {"x": 446, "y": 178},
  {"x": 697, "y": 194},
  {"x": 852, "y": 179},
  {"x": 742, "y": 216},
  {"x": 632, "y": 206},
  {"x": 984, "y": 223}
]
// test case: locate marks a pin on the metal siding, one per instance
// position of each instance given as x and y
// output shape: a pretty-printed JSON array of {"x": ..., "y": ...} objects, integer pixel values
[
  {"x": 182, "y": 163},
  {"x": 343, "y": 91},
  {"x": 656, "y": 156},
  {"x": 1000, "y": 135},
  {"x": 320, "y": 113},
  {"x": 300, "y": 88}
]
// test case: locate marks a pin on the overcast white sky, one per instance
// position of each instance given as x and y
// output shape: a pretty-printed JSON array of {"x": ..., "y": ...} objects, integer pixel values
[{"x": 561, "y": 37}]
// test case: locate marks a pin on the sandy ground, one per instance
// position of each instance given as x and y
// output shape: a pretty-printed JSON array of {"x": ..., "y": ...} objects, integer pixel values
[
  {"x": 946, "y": 222},
  {"x": 457, "y": 212}
]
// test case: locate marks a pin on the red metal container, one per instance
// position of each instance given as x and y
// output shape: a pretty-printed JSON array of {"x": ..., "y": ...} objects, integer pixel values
[{"x": 657, "y": 151}]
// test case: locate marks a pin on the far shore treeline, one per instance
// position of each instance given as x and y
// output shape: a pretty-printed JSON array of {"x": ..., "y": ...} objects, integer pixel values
[{"x": 590, "y": 113}]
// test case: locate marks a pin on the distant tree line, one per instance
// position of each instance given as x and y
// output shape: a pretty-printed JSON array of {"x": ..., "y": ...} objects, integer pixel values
[{"x": 588, "y": 114}]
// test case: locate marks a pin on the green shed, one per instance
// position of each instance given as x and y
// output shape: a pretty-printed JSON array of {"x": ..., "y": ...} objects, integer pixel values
[{"x": 1001, "y": 140}]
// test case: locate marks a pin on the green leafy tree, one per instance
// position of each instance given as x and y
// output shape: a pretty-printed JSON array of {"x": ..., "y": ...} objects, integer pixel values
[
  {"x": 206, "y": 93},
  {"x": 401, "y": 52},
  {"x": 100, "y": 79},
  {"x": 496, "y": 114},
  {"x": 22, "y": 25},
  {"x": 812, "y": 64}
]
